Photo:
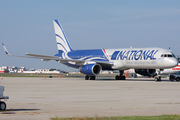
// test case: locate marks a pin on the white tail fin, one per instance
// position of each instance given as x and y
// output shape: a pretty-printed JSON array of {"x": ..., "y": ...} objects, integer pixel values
[{"x": 62, "y": 42}]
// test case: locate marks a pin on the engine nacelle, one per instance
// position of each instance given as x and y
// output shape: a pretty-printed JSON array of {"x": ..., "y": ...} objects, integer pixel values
[
  {"x": 146, "y": 72},
  {"x": 91, "y": 69}
]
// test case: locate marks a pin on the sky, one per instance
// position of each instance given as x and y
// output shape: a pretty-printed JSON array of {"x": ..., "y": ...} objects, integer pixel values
[{"x": 26, "y": 26}]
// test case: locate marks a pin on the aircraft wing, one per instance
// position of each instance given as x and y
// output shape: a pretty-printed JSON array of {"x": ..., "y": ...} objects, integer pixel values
[
  {"x": 48, "y": 58},
  {"x": 77, "y": 62}
]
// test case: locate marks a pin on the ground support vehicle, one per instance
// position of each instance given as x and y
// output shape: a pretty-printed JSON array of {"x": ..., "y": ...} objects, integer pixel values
[
  {"x": 2, "y": 103},
  {"x": 175, "y": 77}
]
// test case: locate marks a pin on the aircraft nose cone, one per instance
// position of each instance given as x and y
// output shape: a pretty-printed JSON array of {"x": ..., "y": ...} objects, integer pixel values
[{"x": 173, "y": 62}]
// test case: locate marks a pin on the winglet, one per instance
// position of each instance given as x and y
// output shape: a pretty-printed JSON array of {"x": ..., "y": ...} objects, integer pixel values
[{"x": 6, "y": 50}]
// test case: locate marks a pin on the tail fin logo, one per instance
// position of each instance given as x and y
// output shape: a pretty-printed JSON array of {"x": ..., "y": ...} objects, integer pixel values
[{"x": 62, "y": 42}]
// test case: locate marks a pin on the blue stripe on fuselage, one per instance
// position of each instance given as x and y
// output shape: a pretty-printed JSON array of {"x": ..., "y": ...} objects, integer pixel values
[
  {"x": 71, "y": 65},
  {"x": 97, "y": 54}
]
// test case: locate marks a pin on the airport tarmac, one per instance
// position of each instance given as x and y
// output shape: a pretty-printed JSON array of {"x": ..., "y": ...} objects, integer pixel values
[{"x": 39, "y": 98}]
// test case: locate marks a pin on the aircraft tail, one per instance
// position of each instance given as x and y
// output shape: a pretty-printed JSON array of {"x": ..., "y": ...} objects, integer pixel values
[{"x": 61, "y": 39}]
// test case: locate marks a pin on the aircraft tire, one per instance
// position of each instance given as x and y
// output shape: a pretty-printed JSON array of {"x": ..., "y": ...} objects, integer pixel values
[
  {"x": 2, "y": 106},
  {"x": 117, "y": 77},
  {"x": 158, "y": 79},
  {"x": 123, "y": 78},
  {"x": 120, "y": 77},
  {"x": 92, "y": 77},
  {"x": 86, "y": 77}
]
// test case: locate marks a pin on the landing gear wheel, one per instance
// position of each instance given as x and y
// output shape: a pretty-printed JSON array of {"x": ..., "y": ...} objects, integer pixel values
[
  {"x": 117, "y": 77},
  {"x": 158, "y": 79},
  {"x": 92, "y": 77},
  {"x": 86, "y": 77},
  {"x": 120, "y": 77},
  {"x": 2, "y": 106},
  {"x": 123, "y": 77}
]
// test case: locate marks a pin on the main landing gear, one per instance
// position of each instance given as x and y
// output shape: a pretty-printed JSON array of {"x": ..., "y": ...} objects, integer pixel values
[
  {"x": 87, "y": 77},
  {"x": 118, "y": 77},
  {"x": 121, "y": 76}
]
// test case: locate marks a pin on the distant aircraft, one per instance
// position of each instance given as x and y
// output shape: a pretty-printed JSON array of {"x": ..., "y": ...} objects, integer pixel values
[
  {"x": 91, "y": 62},
  {"x": 145, "y": 72}
]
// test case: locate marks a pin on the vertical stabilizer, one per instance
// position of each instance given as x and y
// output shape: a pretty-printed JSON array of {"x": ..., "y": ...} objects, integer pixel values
[{"x": 62, "y": 42}]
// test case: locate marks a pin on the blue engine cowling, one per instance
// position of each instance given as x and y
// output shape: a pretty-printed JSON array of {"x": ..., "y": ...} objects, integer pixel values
[
  {"x": 146, "y": 72},
  {"x": 91, "y": 69}
]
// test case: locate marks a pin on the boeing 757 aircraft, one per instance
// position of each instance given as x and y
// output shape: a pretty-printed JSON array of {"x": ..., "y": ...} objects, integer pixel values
[{"x": 92, "y": 62}]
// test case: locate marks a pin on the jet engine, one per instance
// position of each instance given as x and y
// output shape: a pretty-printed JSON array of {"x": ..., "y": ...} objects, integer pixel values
[
  {"x": 146, "y": 72},
  {"x": 91, "y": 69}
]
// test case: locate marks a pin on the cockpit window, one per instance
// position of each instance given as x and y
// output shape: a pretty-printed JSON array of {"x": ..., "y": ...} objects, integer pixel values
[
  {"x": 167, "y": 55},
  {"x": 170, "y": 56}
]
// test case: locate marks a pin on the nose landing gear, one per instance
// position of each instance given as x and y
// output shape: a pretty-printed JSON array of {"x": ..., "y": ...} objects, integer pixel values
[{"x": 158, "y": 78}]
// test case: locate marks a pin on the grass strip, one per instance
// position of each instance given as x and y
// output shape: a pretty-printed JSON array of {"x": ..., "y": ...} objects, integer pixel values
[{"x": 161, "y": 117}]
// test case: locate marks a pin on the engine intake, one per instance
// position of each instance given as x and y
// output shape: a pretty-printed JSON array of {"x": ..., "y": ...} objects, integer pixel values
[
  {"x": 91, "y": 69},
  {"x": 146, "y": 72}
]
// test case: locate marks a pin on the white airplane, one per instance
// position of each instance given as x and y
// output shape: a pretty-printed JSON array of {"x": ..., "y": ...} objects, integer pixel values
[
  {"x": 92, "y": 62},
  {"x": 152, "y": 73}
]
